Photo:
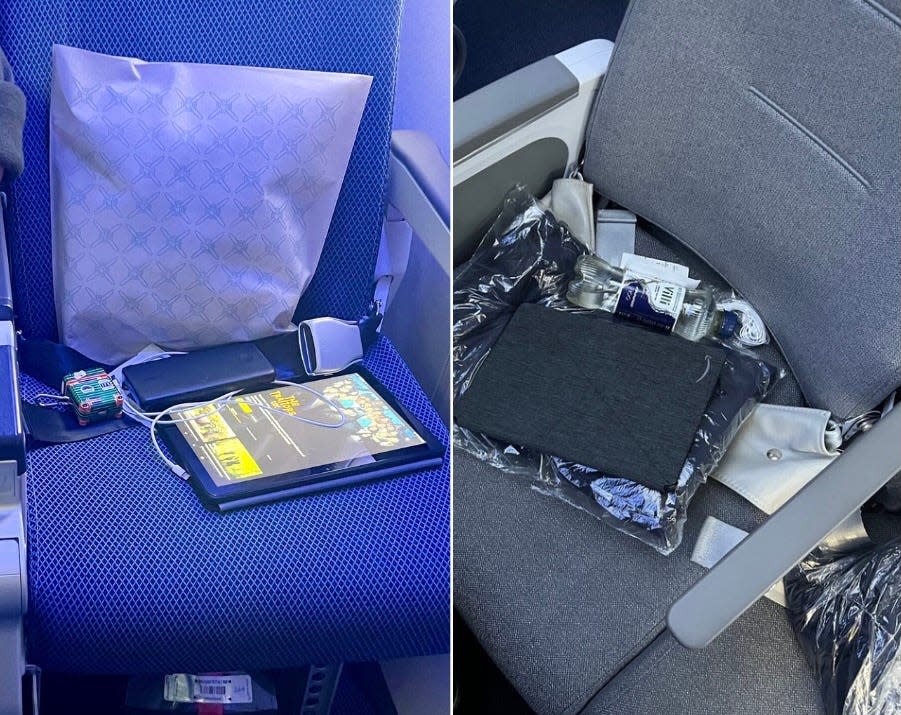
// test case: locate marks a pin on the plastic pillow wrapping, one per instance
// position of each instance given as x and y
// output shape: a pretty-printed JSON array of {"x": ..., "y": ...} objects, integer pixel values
[
  {"x": 190, "y": 202},
  {"x": 847, "y": 615},
  {"x": 528, "y": 256}
]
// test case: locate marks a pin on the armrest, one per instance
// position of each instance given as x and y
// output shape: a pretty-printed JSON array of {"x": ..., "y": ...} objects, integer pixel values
[
  {"x": 6, "y": 283},
  {"x": 419, "y": 190},
  {"x": 13, "y": 582},
  {"x": 526, "y": 128},
  {"x": 13, "y": 588},
  {"x": 767, "y": 554},
  {"x": 488, "y": 114},
  {"x": 12, "y": 425}
]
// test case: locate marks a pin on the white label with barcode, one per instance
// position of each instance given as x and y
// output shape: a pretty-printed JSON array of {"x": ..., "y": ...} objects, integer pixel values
[{"x": 185, "y": 688}]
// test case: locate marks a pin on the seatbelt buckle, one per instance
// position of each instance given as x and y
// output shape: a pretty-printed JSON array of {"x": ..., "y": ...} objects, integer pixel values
[{"x": 329, "y": 345}]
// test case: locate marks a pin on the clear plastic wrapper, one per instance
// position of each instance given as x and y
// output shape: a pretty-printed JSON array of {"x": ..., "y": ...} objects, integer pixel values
[
  {"x": 847, "y": 615},
  {"x": 528, "y": 256}
]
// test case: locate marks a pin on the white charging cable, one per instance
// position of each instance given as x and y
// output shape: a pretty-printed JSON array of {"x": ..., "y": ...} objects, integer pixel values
[
  {"x": 165, "y": 417},
  {"x": 152, "y": 420},
  {"x": 752, "y": 331},
  {"x": 316, "y": 423},
  {"x": 220, "y": 403}
]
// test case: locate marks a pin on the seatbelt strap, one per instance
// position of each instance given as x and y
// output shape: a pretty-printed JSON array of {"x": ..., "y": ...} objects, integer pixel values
[
  {"x": 48, "y": 425},
  {"x": 776, "y": 453},
  {"x": 717, "y": 538},
  {"x": 49, "y": 362},
  {"x": 392, "y": 260},
  {"x": 322, "y": 346},
  {"x": 778, "y": 450},
  {"x": 330, "y": 345}
]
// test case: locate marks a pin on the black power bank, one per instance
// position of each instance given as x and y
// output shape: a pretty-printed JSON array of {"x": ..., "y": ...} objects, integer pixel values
[{"x": 198, "y": 376}]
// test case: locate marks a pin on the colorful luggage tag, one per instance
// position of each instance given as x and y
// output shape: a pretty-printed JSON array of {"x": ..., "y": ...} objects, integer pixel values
[{"x": 93, "y": 395}]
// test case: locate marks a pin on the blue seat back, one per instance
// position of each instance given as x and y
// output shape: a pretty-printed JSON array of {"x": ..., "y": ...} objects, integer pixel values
[{"x": 325, "y": 35}]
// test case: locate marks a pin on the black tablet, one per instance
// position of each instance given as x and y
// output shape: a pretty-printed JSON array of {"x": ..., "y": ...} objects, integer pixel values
[{"x": 299, "y": 438}]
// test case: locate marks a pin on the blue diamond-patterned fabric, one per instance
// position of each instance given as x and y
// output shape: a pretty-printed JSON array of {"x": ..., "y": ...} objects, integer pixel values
[
  {"x": 326, "y": 35},
  {"x": 128, "y": 573}
]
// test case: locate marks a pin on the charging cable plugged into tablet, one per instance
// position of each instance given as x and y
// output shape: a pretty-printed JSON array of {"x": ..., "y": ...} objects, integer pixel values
[
  {"x": 159, "y": 388},
  {"x": 176, "y": 414},
  {"x": 154, "y": 387}
]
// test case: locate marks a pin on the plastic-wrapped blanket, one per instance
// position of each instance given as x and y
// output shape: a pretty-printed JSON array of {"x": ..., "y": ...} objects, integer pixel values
[
  {"x": 847, "y": 615},
  {"x": 528, "y": 256}
]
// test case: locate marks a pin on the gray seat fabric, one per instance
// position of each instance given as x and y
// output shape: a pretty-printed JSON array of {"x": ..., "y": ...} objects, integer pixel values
[
  {"x": 765, "y": 137},
  {"x": 562, "y": 603},
  {"x": 572, "y": 611},
  {"x": 755, "y": 668}
]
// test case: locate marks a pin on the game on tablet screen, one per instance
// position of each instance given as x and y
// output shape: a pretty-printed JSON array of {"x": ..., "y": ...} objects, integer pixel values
[{"x": 293, "y": 428}]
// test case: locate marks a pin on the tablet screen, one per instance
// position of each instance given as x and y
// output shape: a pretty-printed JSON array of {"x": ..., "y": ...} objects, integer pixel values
[{"x": 339, "y": 421}]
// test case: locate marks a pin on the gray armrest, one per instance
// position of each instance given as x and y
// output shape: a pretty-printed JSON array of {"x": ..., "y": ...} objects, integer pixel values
[
  {"x": 766, "y": 555},
  {"x": 6, "y": 283},
  {"x": 13, "y": 582},
  {"x": 525, "y": 128},
  {"x": 419, "y": 188},
  {"x": 493, "y": 111},
  {"x": 12, "y": 429},
  {"x": 13, "y": 588}
]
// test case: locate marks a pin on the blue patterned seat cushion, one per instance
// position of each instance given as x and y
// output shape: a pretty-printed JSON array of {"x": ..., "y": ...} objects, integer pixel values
[{"x": 128, "y": 573}]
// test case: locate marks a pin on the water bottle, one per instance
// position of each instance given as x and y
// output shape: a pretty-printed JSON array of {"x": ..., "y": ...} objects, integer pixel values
[
  {"x": 691, "y": 313},
  {"x": 700, "y": 317}
]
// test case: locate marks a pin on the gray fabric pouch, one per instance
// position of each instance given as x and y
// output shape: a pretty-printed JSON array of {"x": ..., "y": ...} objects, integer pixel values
[{"x": 593, "y": 390}]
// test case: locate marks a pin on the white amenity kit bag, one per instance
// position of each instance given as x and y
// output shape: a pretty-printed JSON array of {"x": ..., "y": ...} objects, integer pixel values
[{"x": 190, "y": 203}]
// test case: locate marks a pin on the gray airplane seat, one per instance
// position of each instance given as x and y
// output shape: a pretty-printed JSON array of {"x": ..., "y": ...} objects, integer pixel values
[{"x": 760, "y": 143}]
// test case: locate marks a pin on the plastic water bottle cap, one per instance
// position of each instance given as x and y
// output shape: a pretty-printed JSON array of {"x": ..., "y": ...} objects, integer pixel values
[{"x": 731, "y": 323}]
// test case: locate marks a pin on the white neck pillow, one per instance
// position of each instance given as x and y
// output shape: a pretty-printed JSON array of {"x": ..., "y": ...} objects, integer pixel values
[{"x": 190, "y": 203}]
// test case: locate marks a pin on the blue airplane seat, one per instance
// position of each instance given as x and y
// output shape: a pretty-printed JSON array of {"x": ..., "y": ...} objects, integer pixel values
[{"x": 128, "y": 573}]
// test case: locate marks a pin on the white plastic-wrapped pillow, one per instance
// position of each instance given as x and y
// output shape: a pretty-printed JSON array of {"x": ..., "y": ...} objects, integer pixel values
[{"x": 190, "y": 203}]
